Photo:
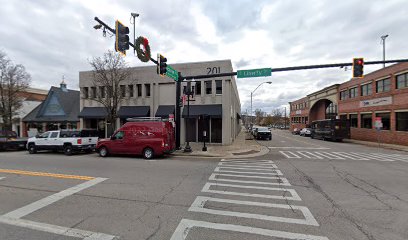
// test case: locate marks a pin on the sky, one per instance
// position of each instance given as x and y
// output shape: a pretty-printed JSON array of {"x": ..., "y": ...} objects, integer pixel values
[{"x": 52, "y": 38}]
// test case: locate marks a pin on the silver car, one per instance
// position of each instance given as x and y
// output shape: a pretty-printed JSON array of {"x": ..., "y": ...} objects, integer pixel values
[{"x": 305, "y": 132}]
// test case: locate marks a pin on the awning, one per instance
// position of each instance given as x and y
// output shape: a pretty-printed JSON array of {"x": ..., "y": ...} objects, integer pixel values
[
  {"x": 214, "y": 110},
  {"x": 238, "y": 116},
  {"x": 163, "y": 111},
  {"x": 134, "y": 111},
  {"x": 93, "y": 112}
]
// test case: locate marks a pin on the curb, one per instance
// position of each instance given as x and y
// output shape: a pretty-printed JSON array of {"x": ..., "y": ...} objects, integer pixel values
[
  {"x": 372, "y": 144},
  {"x": 263, "y": 151}
]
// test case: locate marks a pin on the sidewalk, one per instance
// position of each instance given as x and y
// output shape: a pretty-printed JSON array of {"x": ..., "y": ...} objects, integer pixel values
[
  {"x": 375, "y": 144},
  {"x": 240, "y": 148}
]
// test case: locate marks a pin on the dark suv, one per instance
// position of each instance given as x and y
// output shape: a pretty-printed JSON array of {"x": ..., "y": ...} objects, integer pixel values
[
  {"x": 263, "y": 133},
  {"x": 10, "y": 140}
]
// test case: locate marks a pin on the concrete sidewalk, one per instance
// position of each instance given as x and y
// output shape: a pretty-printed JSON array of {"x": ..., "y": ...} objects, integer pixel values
[
  {"x": 240, "y": 148},
  {"x": 375, "y": 144}
]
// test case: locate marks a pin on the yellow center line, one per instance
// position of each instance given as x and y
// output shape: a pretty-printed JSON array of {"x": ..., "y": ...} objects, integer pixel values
[{"x": 44, "y": 174}]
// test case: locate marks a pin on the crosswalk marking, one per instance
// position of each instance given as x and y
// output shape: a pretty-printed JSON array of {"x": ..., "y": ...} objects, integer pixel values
[
  {"x": 309, "y": 154},
  {"x": 245, "y": 168},
  {"x": 294, "y": 197},
  {"x": 289, "y": 154},
  {"x": 273, "y": 166},
  {"x": 284, "y": 181},
  {"x": 199, "y": 206},
  {"x": 275, "y": 172},
  {"x": 246, "y": 164}
]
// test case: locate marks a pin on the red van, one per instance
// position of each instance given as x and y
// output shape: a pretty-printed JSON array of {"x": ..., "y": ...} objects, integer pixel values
[{"x": 147, "y": 138}]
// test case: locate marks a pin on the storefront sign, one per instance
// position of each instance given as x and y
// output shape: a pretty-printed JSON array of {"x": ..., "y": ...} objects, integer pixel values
[
  {"x": 298, "y": 112},
  {"x": 376, "y": 102}
]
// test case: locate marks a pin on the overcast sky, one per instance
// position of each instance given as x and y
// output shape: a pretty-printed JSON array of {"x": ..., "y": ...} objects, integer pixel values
[{"x": 55, "y": 38}]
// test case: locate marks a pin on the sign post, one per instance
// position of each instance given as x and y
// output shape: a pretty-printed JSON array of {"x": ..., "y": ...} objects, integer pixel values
[{"x": 378, "y": 125}]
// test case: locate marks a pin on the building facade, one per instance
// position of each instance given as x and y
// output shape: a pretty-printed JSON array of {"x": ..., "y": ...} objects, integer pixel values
[
  {"x": 381, "y": 96},
  {"x": 214, "y": 108}
]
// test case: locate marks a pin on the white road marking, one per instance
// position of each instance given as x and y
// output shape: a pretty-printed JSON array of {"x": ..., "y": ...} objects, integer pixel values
[
  {"x": 275, "y": 173},
  {"x": 396, "y": 157},
  {"x": 246, "y": 176},
  {"x": 245, "y": 168},
  {"x": 273, "y": 166},
  {"x": 286, "y": 154},
  {"x": 322, "y": 148},
  {"x": 373, "y": 157},
  {"x": 351, "y": 156},
  {"x": 2, "y": 178},
  {"x": 32, "y": 207},
  {"x": 284, "y": 182},
  {"x": 306, "y": 154},
  {"x": 186, "y": 225},
  {"x": 246, "y": 163},
  {"x": 329, "y": 155},
  {"x": 198, "y": 206},
  {"x": 294, "y": 197},
  {"x": 65, "y": 231}
]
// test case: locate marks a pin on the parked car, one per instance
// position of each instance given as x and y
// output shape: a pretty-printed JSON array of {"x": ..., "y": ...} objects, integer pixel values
[
  {"x": 145, "y": 137},
  {"x": 305, "y": 132},
  {"x": 10, "y": 140},
  {"x": 254, "y": 129},
  {"x": 296, "y": 131},
  {"x": 68, "y": 141},
  {"x": 330, "y": 129},
  {"x": 263, "y": 133}
]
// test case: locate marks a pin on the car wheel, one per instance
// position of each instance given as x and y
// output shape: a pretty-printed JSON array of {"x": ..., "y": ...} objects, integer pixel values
[
  {"x": 148, "y": 153},
  {"x": 68, "y": 150},
  {"x": 270, "y": 138},
  {"x": 32, "y": 149},
  {"x": 103, "y": 151},
  {"x": 311, "y": 136}
]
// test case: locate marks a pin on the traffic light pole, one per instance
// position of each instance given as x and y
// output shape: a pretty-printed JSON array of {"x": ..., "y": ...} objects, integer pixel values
[{"x": 178, "y": 112}]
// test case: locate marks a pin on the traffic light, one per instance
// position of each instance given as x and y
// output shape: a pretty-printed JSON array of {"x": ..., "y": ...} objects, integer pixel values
[
  {"x": 358, "y": 67},
  {"x": 122, "y": 38},
  {"x": 162, "y": 65}
]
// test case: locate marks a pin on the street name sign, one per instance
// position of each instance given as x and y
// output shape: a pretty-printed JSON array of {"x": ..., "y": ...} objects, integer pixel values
[
  {"x": 260, "y": 72},
  {"x": 171, "y": 73}
]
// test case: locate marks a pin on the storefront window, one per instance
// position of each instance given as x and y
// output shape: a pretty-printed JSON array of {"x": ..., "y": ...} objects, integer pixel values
[
  {"x": 383, "y": 85},
  {"x": 208, "y": 87},
  {"x": 401, "y": 120},
  {"x": 353, "y": 120},
  {"x": 366, "y": 121},
  {"x": 353, "y": 92},
  {"x": 402, "y": 80},
  {"x": 366, "y": 89},
  {"x": 216, "y": 130},
  {"x": 385, "y": 119}
]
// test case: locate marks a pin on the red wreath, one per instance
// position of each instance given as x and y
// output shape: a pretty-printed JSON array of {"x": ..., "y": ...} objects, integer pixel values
[{"x": 143, "y": 55}]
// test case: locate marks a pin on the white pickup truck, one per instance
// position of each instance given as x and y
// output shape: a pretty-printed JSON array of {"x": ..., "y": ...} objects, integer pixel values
[{"x": 68, "y": 141}]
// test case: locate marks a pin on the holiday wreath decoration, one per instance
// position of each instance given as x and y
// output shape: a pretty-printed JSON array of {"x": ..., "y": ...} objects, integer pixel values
[{"x": 143, "y": 54}]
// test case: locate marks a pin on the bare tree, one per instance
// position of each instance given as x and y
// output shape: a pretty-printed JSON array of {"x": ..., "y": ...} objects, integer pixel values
[
  {"x": 259, "y": 114},
  {"x": 13, "y": 80},
  {"x": 109, "y": 71}
]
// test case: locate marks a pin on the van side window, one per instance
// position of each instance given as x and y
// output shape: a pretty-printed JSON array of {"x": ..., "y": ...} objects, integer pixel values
[{"x": 119, "y": 135}]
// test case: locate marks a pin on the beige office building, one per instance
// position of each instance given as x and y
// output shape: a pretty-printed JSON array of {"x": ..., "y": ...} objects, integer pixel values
[{"x": 215, "y": 107}]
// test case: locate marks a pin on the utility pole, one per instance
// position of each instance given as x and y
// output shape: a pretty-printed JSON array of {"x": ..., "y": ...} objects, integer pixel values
[
  {"x": 134, "y": 16},
  {"x": 285, "y": 117},
  {"x": 383, "y": 43}
]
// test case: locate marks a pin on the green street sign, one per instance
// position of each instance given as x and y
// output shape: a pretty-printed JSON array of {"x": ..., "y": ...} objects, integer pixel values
[
  {"x": 171, "y": 73},
  {"x": 261, "y": 72}
]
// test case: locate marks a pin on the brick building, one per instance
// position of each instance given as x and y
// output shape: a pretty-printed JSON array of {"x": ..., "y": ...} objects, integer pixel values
[{"x": 382, "y": 95}]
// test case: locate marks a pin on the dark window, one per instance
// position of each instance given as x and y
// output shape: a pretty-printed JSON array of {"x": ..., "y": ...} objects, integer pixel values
[
  {"x": 54, "y": 135},
  {"x": 331, "y": 111},
  {"x": 119, "y": 135},
  {"x": 385, "y": 119},
  {"x": 402, "y": 80},
  {"x": 93, "y": 92},
  {"x": 366, "y": 121},
  {"x": 139, "y": 90},
  {"x": 198, "y": 88},
  {"x": 109, "y": 90},
  {"x": 102, "y": 91},
  {"x": 383, "y": 85},
  {"x": 353, "y": 92},
  {"x": 366, "y": 89},
  {"x": 131, "y": 91},
  {"x": 401, "y": 120},
  {"x": 218, "y": 86},
  {"x": 353, "y": 120},
  {"x": 86, "y": 93},
  {"x": 122, "y": 91},
  {"x": 343, "y": 95},
  {"x": 147, "y": 89},
  {"x": 208, "y": 87},
  {"x": 216, "y": 130}
]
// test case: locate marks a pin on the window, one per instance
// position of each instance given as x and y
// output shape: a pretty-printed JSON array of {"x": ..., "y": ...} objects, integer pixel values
[
  {"x": 147, "y": 90},
  {"x": 385, "y": 119},
  {"x": 366, "y": 89},
  {"x": 353, "y": 92},
  {"x": 198, "y": 88},
  {"x": 366, "y": 121},
  {"x": 353, "y": 120},
  {"x": 54, "y": 135},
  {"x": 208, "y": 87},
  {"x": 343, "y": 95},
  {"x": 119, "y": 135},
  {"x": 383, "y": 85},
  {"x": 218, "y": 86},
  {"x": 402, "y": 80},
  {"x": 86, "y": 93},
  {"x": 401, "y": 120},
  {"x": 139, "y": 90},
  {"x": 109, "y": 91},
  {"x": 102, "y": 91},
  {"x": 122, "y": 91},
  {"x": 131, "y": 91},
  {"x": 93, "y": 92}
]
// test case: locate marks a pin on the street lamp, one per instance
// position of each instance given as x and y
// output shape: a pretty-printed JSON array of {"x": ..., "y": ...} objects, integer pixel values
[
  {"x": 189, "y": 92},
  {"x": 383, "y": 43},
  {"x": 253, "y": 93}
]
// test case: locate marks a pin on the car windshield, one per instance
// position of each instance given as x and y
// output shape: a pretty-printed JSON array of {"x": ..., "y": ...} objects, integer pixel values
[
  {"x": 8, "y": 134},
  {"x": 263, "y": 129}
]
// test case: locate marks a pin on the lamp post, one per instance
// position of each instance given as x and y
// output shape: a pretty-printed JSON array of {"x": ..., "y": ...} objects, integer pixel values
[
  {"x": 383, "y": 43},
  {"x": 251, "y": 97},
  {"x": 188, "y": 93}
]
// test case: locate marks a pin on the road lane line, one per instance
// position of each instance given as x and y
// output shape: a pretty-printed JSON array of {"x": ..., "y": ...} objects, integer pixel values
[
  {"x": 59, "y": 230},
  {"x": 285, "y": 153},
  {"x": 275, "y": 173},
  {"x": 186, "y": 225},
  {"x": 294, "y": 197},
  {"x": 284, "y": 182},
  {"x": 199, "y": 203},
  {"x": 32, "y": 207},
  {"x": 45, "y": 174}
]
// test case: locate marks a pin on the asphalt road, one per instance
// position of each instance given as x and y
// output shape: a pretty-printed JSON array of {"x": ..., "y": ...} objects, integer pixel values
[{"x": 302, "y": 189}]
